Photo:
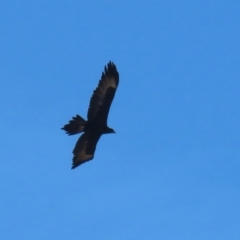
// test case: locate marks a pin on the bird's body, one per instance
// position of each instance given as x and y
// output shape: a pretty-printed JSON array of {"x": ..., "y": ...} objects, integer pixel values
[{"x": 96, "y": 125}]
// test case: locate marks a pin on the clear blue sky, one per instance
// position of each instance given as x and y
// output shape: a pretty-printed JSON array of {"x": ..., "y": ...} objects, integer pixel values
[{"x": 172, "y": 171}]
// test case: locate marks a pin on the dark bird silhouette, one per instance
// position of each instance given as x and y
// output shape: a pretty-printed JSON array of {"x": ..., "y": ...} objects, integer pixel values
[{"x": 96, "y": 123}]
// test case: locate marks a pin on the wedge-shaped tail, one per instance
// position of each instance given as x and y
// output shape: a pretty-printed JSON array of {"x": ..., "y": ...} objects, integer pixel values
[{"x": 76, "y": 125}]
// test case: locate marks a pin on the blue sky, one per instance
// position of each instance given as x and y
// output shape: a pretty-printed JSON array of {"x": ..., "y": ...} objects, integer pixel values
[{"x": 172, "y": 170}]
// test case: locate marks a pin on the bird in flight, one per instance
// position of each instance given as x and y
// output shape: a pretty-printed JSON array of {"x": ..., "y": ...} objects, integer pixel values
[{"x": 96, "y": 123}]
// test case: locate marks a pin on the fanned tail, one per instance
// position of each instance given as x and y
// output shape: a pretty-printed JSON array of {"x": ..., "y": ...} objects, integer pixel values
[{"x": 76, "y": 125}]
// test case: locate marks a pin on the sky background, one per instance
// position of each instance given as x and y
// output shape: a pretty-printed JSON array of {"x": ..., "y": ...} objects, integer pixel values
[{"x": 172, "y": 171}]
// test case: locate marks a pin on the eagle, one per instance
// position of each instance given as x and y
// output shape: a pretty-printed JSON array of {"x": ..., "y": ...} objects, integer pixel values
[{"x": 96, "y": 123}]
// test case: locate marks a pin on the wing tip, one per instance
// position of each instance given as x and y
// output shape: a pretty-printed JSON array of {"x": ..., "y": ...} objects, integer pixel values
[
  {"x": 76, "y": 164},
  {"x": 110, "y": 70},
  {"x": 73, "y": 166},
  {"x": 110, "y": 65}
]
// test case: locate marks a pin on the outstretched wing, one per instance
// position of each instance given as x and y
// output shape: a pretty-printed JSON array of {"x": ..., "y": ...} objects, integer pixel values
[
  {"x": 103, "y": 95},
  {"x": 85, "y": 148}
]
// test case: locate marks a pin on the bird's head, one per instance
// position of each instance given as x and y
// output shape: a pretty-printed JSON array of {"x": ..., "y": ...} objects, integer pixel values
[{"x": 109, "y": 130}]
